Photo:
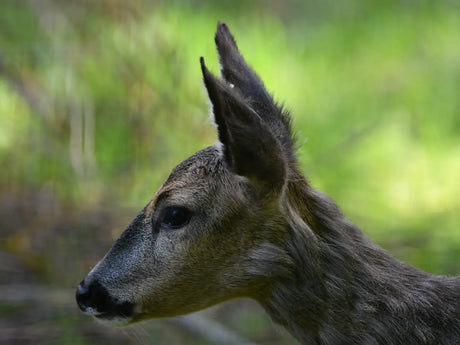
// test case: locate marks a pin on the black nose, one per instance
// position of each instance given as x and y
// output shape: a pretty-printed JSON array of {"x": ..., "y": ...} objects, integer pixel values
[
  {"x": 94, "y": 299},
  {"x": 89, "y": 296},
  {"x": 80, "y": 296}
]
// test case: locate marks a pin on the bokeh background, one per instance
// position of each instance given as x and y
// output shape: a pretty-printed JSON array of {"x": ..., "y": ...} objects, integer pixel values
[{"x": 99, "y": 100}]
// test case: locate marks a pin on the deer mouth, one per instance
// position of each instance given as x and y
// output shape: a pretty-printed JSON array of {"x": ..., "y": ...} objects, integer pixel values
[{"x": 119, "y": 315}]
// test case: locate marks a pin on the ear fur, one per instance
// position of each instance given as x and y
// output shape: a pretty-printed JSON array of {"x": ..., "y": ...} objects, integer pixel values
[{"x": 250, "y": 148}]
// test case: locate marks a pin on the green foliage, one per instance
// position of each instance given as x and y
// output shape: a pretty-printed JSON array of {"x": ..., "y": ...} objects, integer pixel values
[
  {"x": 113, "y": 100},
  {"x": 99, "y": 101}
]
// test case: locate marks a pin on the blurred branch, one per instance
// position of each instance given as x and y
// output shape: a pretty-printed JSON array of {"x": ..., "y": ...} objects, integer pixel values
[
  {"x": 82, "y": 131},
  {"x": 35, "y": 99},
  {"x": 211, "y": 330},
  {"x": 25, "y": 294},
  {"x": 38, "y": 102},
  {"x": 80, "y": 110}
]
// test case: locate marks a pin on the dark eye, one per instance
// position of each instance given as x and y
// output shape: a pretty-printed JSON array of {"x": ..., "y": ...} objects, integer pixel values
[{"x": 175, "y": 217}]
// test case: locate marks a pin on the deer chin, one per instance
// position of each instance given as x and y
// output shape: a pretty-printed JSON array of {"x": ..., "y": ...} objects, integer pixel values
[
  {"x": 114, "y": 321},
  {"x": 124, "y": 316}
]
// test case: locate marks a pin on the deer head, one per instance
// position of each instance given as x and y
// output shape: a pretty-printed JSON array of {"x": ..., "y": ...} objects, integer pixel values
[{"x": 214, "y": 230}]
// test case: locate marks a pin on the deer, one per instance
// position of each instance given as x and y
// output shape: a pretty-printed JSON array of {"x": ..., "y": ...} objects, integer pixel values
[{"x": 238, "y": 219}]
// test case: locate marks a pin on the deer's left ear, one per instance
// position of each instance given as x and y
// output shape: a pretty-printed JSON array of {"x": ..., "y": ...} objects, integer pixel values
[{"x": 250, "y": 148}]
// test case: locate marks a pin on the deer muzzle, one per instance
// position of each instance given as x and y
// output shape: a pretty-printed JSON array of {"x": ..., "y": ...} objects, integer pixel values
[{"x": 93, "y": 299}]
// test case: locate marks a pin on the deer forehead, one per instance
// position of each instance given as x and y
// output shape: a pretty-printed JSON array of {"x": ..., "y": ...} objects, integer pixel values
[
  {"x": 200, "y": 174},
  {"x": 206, "y": 163}
]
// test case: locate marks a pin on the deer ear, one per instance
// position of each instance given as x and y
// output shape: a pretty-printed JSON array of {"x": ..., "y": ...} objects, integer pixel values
[
  {"x": 236, "y": 71},
  {"x": 249, "y": 147}
]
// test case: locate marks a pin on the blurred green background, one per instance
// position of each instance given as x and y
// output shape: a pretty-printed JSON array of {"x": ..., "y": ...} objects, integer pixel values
[{"x": 99, "y": 100}]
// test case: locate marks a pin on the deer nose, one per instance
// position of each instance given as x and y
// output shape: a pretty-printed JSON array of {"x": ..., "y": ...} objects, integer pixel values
[
  {"x": 86, "y": 297},
  {"x": 94, "y": 299}
]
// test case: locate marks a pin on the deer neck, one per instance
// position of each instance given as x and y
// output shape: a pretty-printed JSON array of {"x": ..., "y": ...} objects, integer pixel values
[{"x": 340, "y": 282}]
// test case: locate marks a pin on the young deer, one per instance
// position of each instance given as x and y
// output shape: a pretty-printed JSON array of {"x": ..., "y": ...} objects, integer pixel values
[{"x": 238, "y": 219}]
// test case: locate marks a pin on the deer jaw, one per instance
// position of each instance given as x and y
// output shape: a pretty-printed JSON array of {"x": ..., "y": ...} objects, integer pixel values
[{"x": 155, "y": 271}]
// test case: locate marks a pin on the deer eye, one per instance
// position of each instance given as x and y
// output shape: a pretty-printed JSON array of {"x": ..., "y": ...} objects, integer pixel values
[{"x": 175, "y": 217}]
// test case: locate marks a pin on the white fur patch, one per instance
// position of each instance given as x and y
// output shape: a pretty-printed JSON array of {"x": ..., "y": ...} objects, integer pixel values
[
  {"x": 115, "y": 322},
  {"x": 219, "y": 147}
]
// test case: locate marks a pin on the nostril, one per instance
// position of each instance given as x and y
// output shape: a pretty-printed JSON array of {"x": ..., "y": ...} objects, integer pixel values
[
  {"x": 93, "y": 298},
  {"x": 82, "y": 296}
]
